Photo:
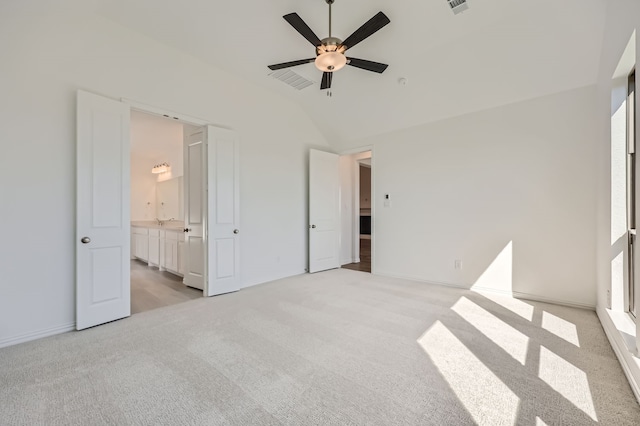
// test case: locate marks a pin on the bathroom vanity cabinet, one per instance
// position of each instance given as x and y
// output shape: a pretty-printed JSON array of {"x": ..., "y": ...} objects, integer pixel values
[{"x": 162, "y": 248}]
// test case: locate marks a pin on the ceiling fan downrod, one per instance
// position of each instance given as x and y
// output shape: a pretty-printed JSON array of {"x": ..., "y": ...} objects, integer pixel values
[{"x": 329, "y": 2}]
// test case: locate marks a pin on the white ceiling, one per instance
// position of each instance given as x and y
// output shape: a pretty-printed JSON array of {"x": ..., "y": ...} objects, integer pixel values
[{"x": 497, "y": 52}]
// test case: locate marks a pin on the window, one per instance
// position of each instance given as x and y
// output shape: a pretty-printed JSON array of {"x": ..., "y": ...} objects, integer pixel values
[{"x": 631, "y": 188}]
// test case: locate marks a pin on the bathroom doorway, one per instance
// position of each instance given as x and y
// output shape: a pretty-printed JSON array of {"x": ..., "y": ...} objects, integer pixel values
[
  {"x": 159, "y": 252},
  {"x": 103, "y": 209}
]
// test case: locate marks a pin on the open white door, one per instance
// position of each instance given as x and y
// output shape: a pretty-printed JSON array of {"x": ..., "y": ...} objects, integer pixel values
[
  {"x": 195, "y": 209},
  {"x": 103, "y": 226},
  {"x": 324, "y": 211},
  {"x": 224, "y": 211}
]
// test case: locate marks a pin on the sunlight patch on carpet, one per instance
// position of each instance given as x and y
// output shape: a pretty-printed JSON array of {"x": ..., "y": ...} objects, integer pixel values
[
  {"x": 499, "y": 332},
  {"x": 560, "y": 327},
  {"x": 516, "y": 306},
  {"x": 483, "y": 394},
  {"x": 566, "y": 379}
]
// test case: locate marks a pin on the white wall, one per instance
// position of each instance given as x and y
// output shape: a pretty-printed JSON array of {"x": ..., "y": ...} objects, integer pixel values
[
  {"x": 143, "y": 189},
  {"x": 50, "y": 56},
  {"x": 154, "y": 140},
  {"x": 623, "y": 18},
  {"x": 509, "y": 191}
]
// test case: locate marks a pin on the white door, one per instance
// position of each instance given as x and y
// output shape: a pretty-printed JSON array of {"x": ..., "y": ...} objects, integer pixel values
[
  {"x": 102, "y": 223},
  {"x": 224, "y": 211},
  {"x": 324, "y": 211},
  {"x": 195, "y": 213}
]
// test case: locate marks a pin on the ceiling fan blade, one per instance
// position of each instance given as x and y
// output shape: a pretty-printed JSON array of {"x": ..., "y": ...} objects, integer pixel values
[
  {"x": 296, "y": 22},
  {"x": 291, "y": 64},
  {"x": 367, "y": 65},
  {"x": 326, "y": 80},
  {"x": 370, "y": 27}
]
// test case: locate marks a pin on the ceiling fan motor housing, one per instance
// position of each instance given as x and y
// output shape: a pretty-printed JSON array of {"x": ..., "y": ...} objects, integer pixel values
[{"x": 330, "y": 55}]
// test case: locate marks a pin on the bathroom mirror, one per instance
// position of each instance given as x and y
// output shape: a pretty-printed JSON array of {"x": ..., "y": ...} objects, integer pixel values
[{"x": 169, "y": 200}]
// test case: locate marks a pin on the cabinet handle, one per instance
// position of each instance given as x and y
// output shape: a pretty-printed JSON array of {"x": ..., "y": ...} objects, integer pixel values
[
  {"x": 186, "y": 230},
  {"x": 236, "y": 231},
  {"x": 85, "y": 240}
]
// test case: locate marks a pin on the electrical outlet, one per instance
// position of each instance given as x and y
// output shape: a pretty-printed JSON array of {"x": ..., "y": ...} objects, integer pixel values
[{"x": 457, "y": 264}]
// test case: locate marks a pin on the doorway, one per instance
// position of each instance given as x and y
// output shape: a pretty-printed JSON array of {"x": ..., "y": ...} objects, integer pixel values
[
  {"x": 361, "y": 231},
  {"x": 159, "y": 254},
  {"x": 103, "y": 225},
  {"x": 632, "y": 177}
]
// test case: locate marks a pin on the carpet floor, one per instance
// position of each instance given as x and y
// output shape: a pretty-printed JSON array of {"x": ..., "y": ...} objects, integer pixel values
[{"x": 335, "y": 348}]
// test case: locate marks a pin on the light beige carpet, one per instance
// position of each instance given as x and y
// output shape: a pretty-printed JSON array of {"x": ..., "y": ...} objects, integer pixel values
[{"x": 340, "y": 347}]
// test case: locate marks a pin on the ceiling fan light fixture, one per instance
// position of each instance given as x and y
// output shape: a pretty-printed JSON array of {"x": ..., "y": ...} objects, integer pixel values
[{"x": 330, "y": 61}]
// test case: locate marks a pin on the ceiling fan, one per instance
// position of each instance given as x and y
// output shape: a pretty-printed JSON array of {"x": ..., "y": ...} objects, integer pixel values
[{"x": 330, "y": 51}]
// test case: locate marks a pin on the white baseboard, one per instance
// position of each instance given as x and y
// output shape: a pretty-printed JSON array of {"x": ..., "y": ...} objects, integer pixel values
[
  {"x": 37, "y": 335},
  {"x": 276, "y": 277},
  {"x": 629, "y": 363},
  {"x": 515, "y": 294},
  {"x": 536, "y": 298}
]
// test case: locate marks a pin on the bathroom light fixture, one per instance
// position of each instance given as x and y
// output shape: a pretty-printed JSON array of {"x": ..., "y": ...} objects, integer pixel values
[{"x": 160, "y": 168}]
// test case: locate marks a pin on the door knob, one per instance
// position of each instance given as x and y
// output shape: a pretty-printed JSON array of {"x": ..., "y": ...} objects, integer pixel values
[
  {"x": 85, "y": 240},
  {"x": 236, "y": 231}
]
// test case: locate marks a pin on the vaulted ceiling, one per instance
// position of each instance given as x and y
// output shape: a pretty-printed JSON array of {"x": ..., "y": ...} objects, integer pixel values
[{"x": 497, "y": 52}]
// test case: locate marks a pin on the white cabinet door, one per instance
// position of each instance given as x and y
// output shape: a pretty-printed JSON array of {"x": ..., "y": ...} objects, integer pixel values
[
  {"x": 172, "y": 254},
  {"x": 171, "y": 251},
  {"x": 324, "y": 211},
  {"x": 181, "y": 255},
  {"x": 142, "y": 246},
  {"x": 154, "y": 247},
  {"x": 103, "y": 227}
]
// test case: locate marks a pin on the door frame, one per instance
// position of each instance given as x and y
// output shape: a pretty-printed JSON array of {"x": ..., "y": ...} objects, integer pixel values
[
  {"x": 194, "y": 121},
  {"x": 356, "y": 191}
]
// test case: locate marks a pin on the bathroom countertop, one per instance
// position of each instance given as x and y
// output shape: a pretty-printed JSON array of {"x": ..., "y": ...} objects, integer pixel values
[{"x": 173, "y": 225}]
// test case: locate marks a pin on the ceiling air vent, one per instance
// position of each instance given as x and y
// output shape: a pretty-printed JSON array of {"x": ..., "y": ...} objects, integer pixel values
[
  {"x": 458, "y": 6},
  {"x": 291, "y": 78}
]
